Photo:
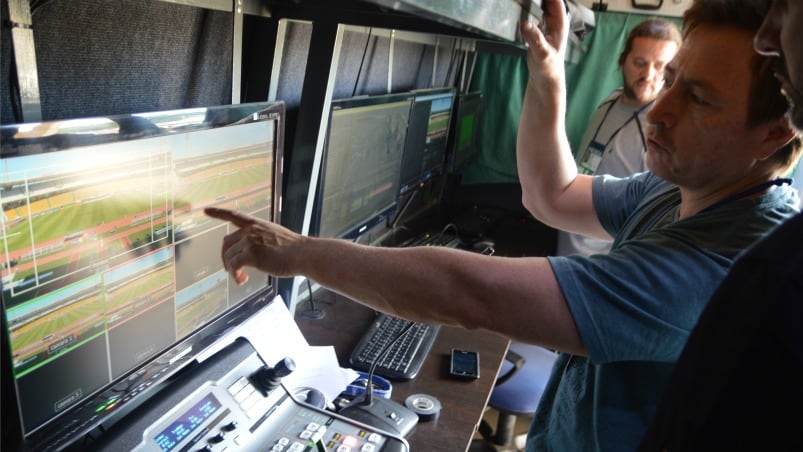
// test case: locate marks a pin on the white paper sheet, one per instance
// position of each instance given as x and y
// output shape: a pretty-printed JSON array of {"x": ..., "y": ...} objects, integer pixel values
[{"x": 275, "y": 335}]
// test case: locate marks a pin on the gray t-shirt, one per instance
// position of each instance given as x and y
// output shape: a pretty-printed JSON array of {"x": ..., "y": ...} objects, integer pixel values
[{"x": 614, "y": 143}]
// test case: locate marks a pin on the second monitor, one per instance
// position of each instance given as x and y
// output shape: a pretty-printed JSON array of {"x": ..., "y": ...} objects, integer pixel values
[
  {"x": 361, "y": 163},
  {"x": 427, "y": 133}
]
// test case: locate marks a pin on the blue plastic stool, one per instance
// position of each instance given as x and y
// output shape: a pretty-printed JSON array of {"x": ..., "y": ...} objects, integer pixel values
[{"x": 519, "y": 386}]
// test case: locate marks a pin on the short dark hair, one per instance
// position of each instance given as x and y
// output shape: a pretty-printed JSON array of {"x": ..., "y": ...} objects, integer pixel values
[
  {"x": 766, "y": 102},
  {"x": 660, "y": 29}
]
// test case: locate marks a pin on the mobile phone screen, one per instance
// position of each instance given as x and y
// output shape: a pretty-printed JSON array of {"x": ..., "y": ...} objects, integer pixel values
[{"x": 464, "y": 364}]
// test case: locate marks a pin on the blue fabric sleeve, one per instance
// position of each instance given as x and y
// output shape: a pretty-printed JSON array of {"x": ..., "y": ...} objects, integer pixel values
[
  {"x": 638, "y": 302},
  {"x": 616, "y": 198}
]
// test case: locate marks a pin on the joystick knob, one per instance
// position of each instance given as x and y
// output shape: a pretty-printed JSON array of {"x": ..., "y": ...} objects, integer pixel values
[
  {"x": 284, "y": 367},
  {"x": 266, "y": 378}
]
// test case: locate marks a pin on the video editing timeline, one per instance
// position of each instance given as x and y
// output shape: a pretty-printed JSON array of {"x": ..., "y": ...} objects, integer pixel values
[
  {"x": 236, "y": 412},
  {"x": 105, "y": 248},
  {"x": 361, "y": 163},
  {"x": 425, "y": 147}
]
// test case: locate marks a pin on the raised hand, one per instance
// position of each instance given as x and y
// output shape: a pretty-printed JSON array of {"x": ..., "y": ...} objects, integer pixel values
[{"x": 547, "y": 44}]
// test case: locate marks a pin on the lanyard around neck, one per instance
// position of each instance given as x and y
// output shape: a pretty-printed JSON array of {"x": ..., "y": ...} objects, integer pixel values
[
  {"x": 750, "y": 191},
  {"x": 634, "y": 116}
]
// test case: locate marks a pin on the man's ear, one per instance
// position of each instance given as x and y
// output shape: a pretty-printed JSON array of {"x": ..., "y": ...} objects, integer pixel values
[{"x": 778, "y": 134}]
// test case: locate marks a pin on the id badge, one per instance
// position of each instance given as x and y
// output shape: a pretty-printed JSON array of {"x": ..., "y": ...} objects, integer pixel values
[{"x": 591, "y": 158}]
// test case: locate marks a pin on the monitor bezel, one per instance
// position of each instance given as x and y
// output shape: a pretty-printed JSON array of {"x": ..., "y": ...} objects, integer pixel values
[{"x": 81, "y": 420}]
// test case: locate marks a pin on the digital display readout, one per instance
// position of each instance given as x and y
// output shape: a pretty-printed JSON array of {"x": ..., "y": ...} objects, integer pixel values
[{"x": 185, "y": 424}]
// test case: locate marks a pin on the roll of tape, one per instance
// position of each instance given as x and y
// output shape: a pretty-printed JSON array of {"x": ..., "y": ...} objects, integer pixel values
[{"x": 425, "y": 406}]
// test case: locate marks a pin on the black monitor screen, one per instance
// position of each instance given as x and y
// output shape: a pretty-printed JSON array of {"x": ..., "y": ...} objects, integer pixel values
[
  {"x": 361, "y": 163},
  {"x": 463, "y": 135},
  {"x": 112, "y": 276},
  {"x": 425, "y": 149}
]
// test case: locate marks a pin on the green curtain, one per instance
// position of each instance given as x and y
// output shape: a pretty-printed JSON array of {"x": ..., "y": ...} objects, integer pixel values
[
  {"x": 592, "y": 72},
  {"x": 502, "y": 80}
]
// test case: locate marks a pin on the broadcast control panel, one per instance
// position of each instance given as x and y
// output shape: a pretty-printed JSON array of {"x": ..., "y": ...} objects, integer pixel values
[{"x": 238, "y": 411}]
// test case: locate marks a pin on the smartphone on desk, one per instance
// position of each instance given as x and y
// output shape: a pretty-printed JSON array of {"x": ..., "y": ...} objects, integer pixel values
[{"x": 464, "y": 364}]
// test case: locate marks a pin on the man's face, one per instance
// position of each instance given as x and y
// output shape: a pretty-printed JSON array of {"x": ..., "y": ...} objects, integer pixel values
[
  {"x": 643, "y": 69},
  {"x": 778, "y": 36},
  {"x": 698, "y": 136}
]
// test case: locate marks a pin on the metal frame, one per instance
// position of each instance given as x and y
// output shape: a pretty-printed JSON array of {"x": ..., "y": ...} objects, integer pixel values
[
  {"x": 498, "y": 19},
  {"x": 24, "y": 50},
  {"x": 19, "y": 12}
]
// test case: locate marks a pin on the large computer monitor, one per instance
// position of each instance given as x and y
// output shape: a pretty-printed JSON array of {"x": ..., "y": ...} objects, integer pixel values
[
  {"x": 111, "y": 273},
  {"x": 362, "y": 157},
  {"x": 425, "y": 148},
  {"x": 463, "y": 134}
]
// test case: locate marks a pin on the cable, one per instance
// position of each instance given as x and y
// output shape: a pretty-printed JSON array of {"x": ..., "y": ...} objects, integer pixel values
[
  {"x": 470, "y": 77},
  {"x": 362, "y": 61},
  {"x": 450, "y": 226},
  {"x": 313, "y": 312},
  {"x": 400, "y": 213},
  {"x": 36, "y": 5},
  {"x": 455, "y": 51},
  {"x": 369, "y": 386}
]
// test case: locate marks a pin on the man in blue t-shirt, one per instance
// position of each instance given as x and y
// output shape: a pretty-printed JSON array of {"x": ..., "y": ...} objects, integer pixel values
[
  {"x": 718, "y": 147},
  {"x": 737, "y": 383}
]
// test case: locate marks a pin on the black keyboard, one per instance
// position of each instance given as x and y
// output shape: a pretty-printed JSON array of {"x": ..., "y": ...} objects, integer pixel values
[
  {"x": 434, "y": 239},
  {"x": 405, "y": 357}
]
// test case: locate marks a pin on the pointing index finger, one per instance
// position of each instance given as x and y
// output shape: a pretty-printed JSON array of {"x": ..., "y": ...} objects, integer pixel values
[{"x": 239, "y": 219}]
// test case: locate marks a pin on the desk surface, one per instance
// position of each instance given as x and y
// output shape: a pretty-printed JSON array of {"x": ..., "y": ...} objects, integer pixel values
[{"x": 463, "y": 401}]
